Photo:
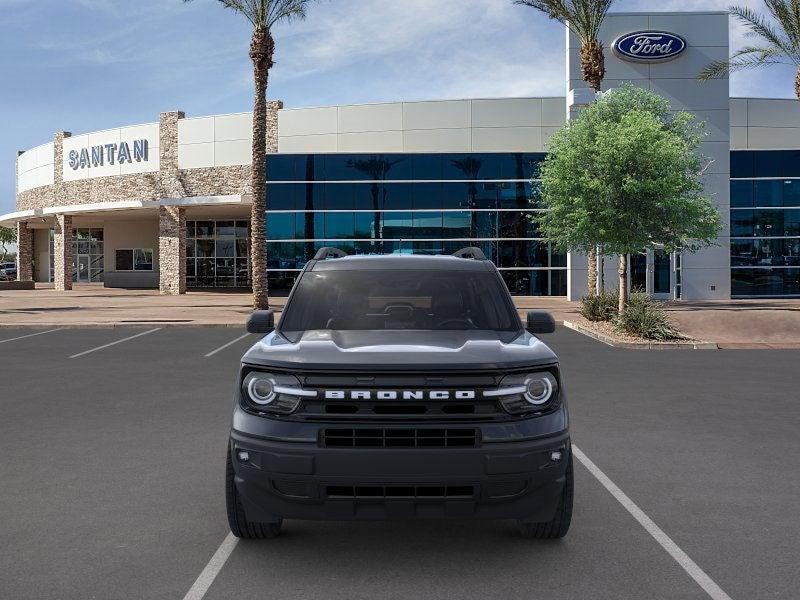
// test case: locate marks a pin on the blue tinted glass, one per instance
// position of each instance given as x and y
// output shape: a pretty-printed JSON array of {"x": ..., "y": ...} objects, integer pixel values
[
  {"x": 281, "y": 167},
  {"x": 310, "y": 167},
  {"x": 397, "y": 225},
  {"x": 462, "y": 166},
  {"x": 515, "y": 195},
  {"x": 527, "y": 283},
  {"x": 281, "y": 255},
  {"x": 305, "y": 224},
  {"x": 557, "y": 259},
  {"x": 339, "y": 225},
  {"x": 339, "y": 167},
  {"x": 428, "y": 247},
  {"x": 311, "y": 196},
  {"x": 791, "y": 192},
  {"x": 529, "y": 164},
  {"x": 339, "y": 196},
  {"x": 741, "y": 194},
  {"x": 280, "y": 226},
  {"x": 458, "y": 224},
  {"x": 768, "y": 193},
  {"x": 456, "y": 195},
  {"x": 367, "y": 225},
  {"x": 742, "y": 164},
  {"x": 397, "y": 196},
  {"x": 398, "y": 166},
  {"x": 768, "y": 222},
  {"x": 426, "y": 166},
  {"x": 790, "y": 166},
  {"x": 367, "y": 247},
  {"x": 283, "y": 196},
  {"x": 484, "y": 195},
  {"x": 426, "y": 195},
  {"x": 514, "y": 224},
  {"x": 485, "y": 224},
  {"x": 765, "y": 282},
  {"x": 370, "y": 167},
  {"x": 367, "y": 196},
  {"x": 791, "y": 222},
  {"x": 742, "y": 223},
  {"x": 427, "y": 224},
  {"x": 558, "y": 282},
  {"x": 768, "y": 163}
]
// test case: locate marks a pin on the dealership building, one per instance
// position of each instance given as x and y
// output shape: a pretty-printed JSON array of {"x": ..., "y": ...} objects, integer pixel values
[{"x": 167, "y": 204}]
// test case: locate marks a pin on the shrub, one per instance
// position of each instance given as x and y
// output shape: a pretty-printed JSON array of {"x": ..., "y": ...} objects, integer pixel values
[
  {"x": 644, "y": 317},
  {"x": 601, "y": 307}
]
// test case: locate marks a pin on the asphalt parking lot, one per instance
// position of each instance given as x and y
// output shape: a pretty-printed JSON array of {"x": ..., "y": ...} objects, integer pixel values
[{"x": 111, "y": 481}]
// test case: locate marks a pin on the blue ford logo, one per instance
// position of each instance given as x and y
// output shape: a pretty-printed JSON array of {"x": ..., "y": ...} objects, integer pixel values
[{"x": 649, "y": 46}]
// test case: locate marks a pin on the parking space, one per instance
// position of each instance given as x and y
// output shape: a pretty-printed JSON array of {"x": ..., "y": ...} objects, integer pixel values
[{"x": 112, "y": 481}]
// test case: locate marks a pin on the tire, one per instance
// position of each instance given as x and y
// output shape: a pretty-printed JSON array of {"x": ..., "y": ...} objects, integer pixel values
[
  {"x": 237, "y": 519},
  {"x": 559, "y": 526}
]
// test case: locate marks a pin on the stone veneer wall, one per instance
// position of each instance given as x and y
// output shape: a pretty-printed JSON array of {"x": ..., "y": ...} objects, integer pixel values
[
  {"x": 62, "y": 250},
  {"x": 172, "y": 250},
  {"x": 24, "y": 252}
]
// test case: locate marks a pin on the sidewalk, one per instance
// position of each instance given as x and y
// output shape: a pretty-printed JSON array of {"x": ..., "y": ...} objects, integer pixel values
[{"x": 734, "y": 324}]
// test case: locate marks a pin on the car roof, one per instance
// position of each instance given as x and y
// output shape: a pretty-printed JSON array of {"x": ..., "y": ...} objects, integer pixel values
[{"x": 401, "y": 262}]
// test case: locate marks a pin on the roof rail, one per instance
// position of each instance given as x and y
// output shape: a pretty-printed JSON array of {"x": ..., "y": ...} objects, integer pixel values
[
  {"x": 471, "y": 252},
  {"x": 329, "y": 252}
]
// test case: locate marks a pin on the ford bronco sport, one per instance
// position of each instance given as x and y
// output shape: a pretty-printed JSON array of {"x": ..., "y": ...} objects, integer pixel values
[{"x": 399, "y": 387}]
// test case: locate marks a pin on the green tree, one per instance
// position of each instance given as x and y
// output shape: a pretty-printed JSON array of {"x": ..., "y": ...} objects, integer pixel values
[
  {"x": 263, "y": 15},
  {"x": 626, "y": 174},
  {"x": 7, "y": 236},
  {"x": 778, "y": 36},
  {"x": 584, "y": 19}
]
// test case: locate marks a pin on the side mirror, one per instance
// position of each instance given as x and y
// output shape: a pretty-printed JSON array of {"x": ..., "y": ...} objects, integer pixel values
[
  {"x": 540, "y": 322},
  {"x": 261, "y": 321}
]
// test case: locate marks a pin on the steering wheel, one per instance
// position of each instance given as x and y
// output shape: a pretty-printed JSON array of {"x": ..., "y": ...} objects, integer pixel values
[{"x": 467, "y": 322}]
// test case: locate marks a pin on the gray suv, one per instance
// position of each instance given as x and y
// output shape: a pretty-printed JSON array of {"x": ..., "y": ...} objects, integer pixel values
[{"x": 399, "y": 387}]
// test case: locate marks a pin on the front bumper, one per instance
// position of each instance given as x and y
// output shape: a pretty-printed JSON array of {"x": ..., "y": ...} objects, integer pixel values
[{"x": 497, "y": 480}]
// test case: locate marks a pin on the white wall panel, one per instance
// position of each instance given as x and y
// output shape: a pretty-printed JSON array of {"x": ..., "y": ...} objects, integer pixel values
[
  {"x": 437, "y": 140},
  {"x": 233, "y": 127},
  {"x": 507, "y": 139},
  {"x": 371, "y": 141},
  {"x": 698, "y": 29},
  {"x": 196, "y": 131},
  {"x": 443, "y": 114},
  {"x": 195, "y": 156},
  {"x": 766, "y": 138},
  {"x": 370, "y": 117},
  {"x": 308, "y": 121},
  {"x": 299, "y": 144},
  {"x": 508, "y": 112},
  {"x": 738, "y": 112},
  {"x": 233, "y": 152},
  {"x": 554, "y": 111},
  {"x": 773, "y": 113},
  {"x": 739, "y": 138}
]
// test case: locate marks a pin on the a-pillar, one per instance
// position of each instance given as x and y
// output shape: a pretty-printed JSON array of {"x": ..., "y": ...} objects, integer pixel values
[
  {"x": 24, "y": 252},
  {"x": 62, "y": 253},
  {"x": 171, "y": 250}
]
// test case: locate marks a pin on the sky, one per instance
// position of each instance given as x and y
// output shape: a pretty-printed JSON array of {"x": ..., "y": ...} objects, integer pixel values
[{"x": 86, "y": 65}]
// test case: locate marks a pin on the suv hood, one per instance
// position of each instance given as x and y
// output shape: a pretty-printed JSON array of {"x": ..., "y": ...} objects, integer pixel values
[{"x": 400, "y": 350}]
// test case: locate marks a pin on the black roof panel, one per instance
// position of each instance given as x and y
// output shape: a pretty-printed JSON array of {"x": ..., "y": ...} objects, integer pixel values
[{"x": 407, "y": 262}]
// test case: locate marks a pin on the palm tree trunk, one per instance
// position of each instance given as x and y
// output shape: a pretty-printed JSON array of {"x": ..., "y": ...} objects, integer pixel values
[
  {"x": 623, "y": 282},
  {"x": 261, "y": 52},
  {"x": 593, "y": 70},
  {"x": 797, "y": 84}
]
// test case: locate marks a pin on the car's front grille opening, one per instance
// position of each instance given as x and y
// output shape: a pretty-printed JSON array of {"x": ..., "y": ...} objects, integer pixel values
[
  {"x": 400, "y": 438},
  {"x": 399, "y": 409},
  {"x": 400, "y": 491}
]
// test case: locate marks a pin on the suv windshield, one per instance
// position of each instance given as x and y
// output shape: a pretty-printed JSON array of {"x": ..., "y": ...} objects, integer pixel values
[{"x": 427, "y": 300}]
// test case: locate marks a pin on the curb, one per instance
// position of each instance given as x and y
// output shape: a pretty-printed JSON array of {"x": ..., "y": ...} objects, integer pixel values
[
  {"x": 115, "y": 325},
  {"x": 640, "y": 345}
]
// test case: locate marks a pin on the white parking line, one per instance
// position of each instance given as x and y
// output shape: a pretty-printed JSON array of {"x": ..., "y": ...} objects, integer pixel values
[
  {"x": 214, "y": 566},
  {"x": 695, "y": 572},
  {"x": 231, "y": 343},
  {"x": 22, "y": 337},
  {"x": 84, "y": 353}
]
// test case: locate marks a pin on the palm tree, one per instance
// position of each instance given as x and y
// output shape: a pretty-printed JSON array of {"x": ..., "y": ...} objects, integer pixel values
[
  {"x": 263, "y": 15},
  {"x": 778, "y": 35},
  {"x": 584, "y": 19}
]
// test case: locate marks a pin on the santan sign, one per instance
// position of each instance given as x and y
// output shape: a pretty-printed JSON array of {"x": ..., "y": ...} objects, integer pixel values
[
  {"x": 97, "y": 156},
  {"x": 649, "y": 46}
]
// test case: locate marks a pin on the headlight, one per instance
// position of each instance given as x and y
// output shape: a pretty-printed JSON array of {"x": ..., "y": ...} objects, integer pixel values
[
  {"x": 272, "y": 393},
  {"x": 527, "y": 392}
]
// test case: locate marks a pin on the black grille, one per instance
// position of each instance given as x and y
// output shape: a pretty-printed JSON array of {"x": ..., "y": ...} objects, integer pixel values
[
  {"x": 400, "y": 438},
  {"x": 400, "y": 491}
]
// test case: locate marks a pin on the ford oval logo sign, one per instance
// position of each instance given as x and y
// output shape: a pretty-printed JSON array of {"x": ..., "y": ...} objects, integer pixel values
[{"x": 649, "y": 46}]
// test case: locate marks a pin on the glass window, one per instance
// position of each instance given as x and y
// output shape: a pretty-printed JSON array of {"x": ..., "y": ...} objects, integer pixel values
[
  {"x": 742, "y": 164},
  {"x": 205, "y": 247},
  {"x": 365, "y": 225},
  {"x": 458, "y": 224},
  {"x": 280, "y": 226},
  {"x": 226, "y": 228},
  {"x": 768, "y": 163},
  {"x": 427, "y": 225},
  {"x": 339, "y": 225},
  {"x": 123, "y": 260},
  {"x": 765, "y": 282},
  {"x": 204, "y": 229},
  {"x": 400, "y": 299},
  {"x": 226, "y": 248},
  {"x": 280, "y": 283},
  {"x": 426, "y": 166},
  {"x": 456, "y": 195},
  {"x": 742, "y": 223},
  {"x": 426, "y": 195},
  {"x": 397, "y": 196},
  {"x": 397, "y": 225},
  {"x": 527, "y": 283},
  {"x": 281, "y": 167},
  {"x": 741, "y": 194},
  {"x": 281, "y": 255},
  {"x": 142, "y": 259},
  {"x": 283, "y": 196},
  {"x": 768, "y": 193},
  {"x": 339, "y": 196},
  {"x": 791, "y": 192}
]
